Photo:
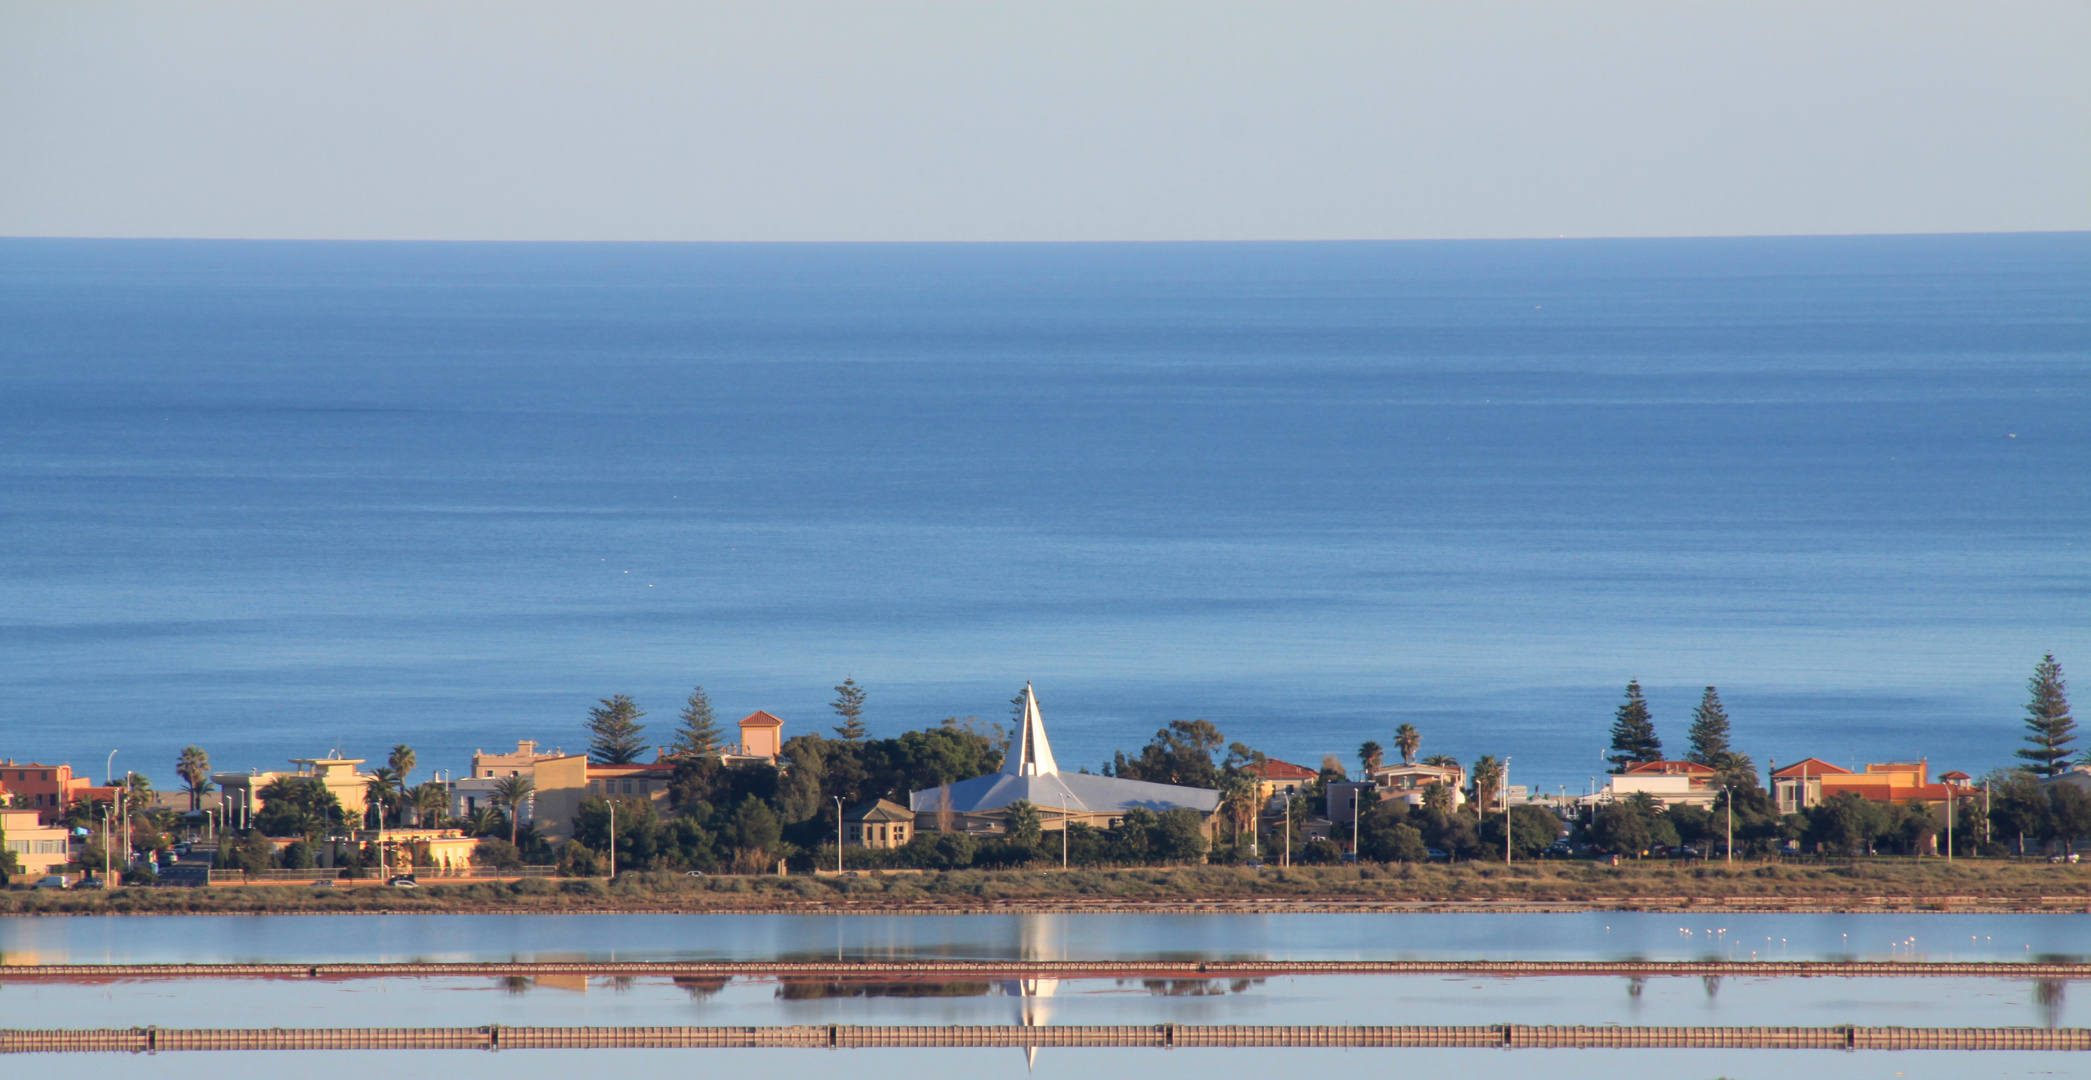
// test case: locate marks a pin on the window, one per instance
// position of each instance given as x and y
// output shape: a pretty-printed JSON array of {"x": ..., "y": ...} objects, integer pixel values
[{"x": 627, "y": 787}]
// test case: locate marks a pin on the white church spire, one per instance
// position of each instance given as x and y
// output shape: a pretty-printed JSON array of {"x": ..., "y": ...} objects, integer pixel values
[{"x": 1029, "y": 753}]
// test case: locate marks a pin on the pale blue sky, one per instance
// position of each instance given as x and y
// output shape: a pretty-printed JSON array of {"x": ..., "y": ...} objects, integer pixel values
[{"x": 1054, "y": 121}]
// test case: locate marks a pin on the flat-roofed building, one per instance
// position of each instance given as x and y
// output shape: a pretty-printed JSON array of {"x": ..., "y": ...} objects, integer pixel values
[
  {"x": 47, "y": 789},
  {"x": 41, "y": 849},
  {"x": 1410, "y": 783}
]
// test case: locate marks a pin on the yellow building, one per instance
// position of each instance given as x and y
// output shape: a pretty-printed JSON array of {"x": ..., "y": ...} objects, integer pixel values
[
  {"x": 41, "y": 849},
  {"x": 878, "y": 824}
]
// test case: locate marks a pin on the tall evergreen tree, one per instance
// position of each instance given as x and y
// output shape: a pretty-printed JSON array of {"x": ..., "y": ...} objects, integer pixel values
[
  {"x": 615, "y": 735},
  {"x": 849, "y": 705},
  {"x": 1633, "y": 732},
  {"x": 699, "y": 734},
  {"x": 2048, "y": 724},
  {"x": 1709, "y": 734}
]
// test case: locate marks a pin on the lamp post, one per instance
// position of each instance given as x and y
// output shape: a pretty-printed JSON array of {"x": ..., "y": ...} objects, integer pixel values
[
  {"x": 613, "y": 838},
  {"x": 1952, "y": 809},
  {"x": 838, "y": 834},
  {"x": 1729, "y": 850},
  {"x": 127, "y": 819},
  {"x": 1506, "y": 811}
]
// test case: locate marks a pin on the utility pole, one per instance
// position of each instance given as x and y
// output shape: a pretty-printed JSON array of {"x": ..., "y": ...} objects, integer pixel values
[
  {"x": 613, "y": 839},
  {"x": 1952, "y": 811},
  {"x": 838, "y": 834},
  {"x": 1506, "y": 811},
  {"x": 1354, "y": 800},
  {"x": 1730, "y": 849},
  {"x": 1287, "y": 858}
]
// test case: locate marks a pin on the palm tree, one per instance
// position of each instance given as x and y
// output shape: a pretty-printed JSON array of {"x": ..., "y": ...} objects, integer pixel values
[
  {"x": 1488, "y": 775},
  {"x": 402, "y": 764},
  {"x": 194, "y": 767},
  {"x": 1407, "y": 740},
  {"x": 380, "y": 789},
  {"x": 1369, "y": 755},
  {"x": 1238, "y": 801},
  {"x": 1442, "y": 761},
  {"x": 431, "y": 803},
  {"x": 513, "y": 793},
  {"x": 485, "y": 821},
  {"x": 1437, "y": 797}
]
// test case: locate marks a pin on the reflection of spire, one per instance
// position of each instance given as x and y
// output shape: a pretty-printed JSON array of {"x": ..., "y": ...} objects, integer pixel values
[
  {"x": 1035, "y": 943},
  {"x": 1029, "y": 753}
]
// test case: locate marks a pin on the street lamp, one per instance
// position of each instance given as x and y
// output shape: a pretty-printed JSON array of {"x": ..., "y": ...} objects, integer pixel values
[
  {"x": 1506, "y": 811},
  {"x": 613, "y": 838},
  {"x": 838, "y": 834}
]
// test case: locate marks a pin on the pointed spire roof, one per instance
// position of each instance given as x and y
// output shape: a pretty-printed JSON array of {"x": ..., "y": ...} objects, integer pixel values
[{"x": 1029, "y": 753}]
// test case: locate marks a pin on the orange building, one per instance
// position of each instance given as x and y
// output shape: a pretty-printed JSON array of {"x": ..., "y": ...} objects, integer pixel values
[
  {"x": 762, "y": 736},
  {"x": 47, "y": 789},
  {"x": 1809, "y": 781},
  {"x": 1274, "y": 777}
]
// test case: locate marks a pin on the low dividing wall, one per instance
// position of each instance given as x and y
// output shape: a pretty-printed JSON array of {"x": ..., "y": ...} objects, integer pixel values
[
  {"x": 959, "y": 969},
  {"x": 1158, "y": 1036}
]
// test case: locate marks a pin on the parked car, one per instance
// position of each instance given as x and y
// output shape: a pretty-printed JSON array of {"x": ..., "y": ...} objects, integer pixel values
[
  {"x": 55, "y": 881},
  {"x": 404, "y": 881},
  {"x": 1435, "y": 855},
  {"x": 1559, "y": 849},
  {"x": 323, "y": 883},
  {"x": 694, "y": 873},
  {"x": 92, "y": 883}
]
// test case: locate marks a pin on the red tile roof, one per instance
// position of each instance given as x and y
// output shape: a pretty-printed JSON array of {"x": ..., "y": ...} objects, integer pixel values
[
  {"x": 1813, "y": 767},
  {"x": 1669, "y": 768},
  {"x": 1273, "y": 769},
  {"x": 758, "y": 718}
]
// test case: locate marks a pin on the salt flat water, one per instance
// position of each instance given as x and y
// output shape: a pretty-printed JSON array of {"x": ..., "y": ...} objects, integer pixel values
[
  {"x": 292, "y": 939},
  {"x": 274, "y": 498}
]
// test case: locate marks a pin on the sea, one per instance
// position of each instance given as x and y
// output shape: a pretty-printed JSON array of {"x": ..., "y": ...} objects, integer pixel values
[{"x": 277, "y": 500}]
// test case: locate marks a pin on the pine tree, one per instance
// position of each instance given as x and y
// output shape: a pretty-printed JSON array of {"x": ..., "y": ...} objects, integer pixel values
[
  {"x": 699, "y": 734},
  {"x": 614, "y": 731},
  {"x": 1709, "y": 734},
  {"x": 849, "y": 705},
  {"x": 1633, "y": 732},
  {"x": 2048, "y": 724}
]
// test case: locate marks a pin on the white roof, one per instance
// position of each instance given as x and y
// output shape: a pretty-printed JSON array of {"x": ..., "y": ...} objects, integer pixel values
[
  {"x": 1076, "y": 792},
  {"x": 1030, "y": 774}
]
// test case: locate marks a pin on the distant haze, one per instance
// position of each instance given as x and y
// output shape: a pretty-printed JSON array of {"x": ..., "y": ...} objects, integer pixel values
[{"x": 1060, "y": 121}]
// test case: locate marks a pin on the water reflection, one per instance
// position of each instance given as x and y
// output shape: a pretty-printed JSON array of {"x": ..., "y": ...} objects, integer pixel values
[
  {"x": 814, "y": 991},
  {"x": 2051, "y": 995},
  {"x": 1193, "y": 987},
  {"x": 700, "y": 989},
  {"x": 1392, "y": 936}
]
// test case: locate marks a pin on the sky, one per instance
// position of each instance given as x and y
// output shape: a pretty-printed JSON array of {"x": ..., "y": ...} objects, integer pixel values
[{"x": 1062, "y": 120}]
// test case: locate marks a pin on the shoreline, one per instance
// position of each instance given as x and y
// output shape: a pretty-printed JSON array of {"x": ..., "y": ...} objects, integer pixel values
[{"x": 1558, "y": 888}]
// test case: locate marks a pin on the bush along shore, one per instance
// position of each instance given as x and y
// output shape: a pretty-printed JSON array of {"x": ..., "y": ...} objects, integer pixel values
[{"x": 1863, "y": 885}]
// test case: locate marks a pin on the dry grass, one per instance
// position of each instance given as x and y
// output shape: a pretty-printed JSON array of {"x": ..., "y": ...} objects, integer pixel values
[{"x": 1861, "y": 885}]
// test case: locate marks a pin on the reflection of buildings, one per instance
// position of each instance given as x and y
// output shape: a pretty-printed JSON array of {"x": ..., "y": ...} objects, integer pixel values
[{"x": 1039, "y": 938}]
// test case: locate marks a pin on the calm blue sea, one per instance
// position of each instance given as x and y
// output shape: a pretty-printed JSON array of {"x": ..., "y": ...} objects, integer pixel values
[{"x": 278, "y": 498}]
